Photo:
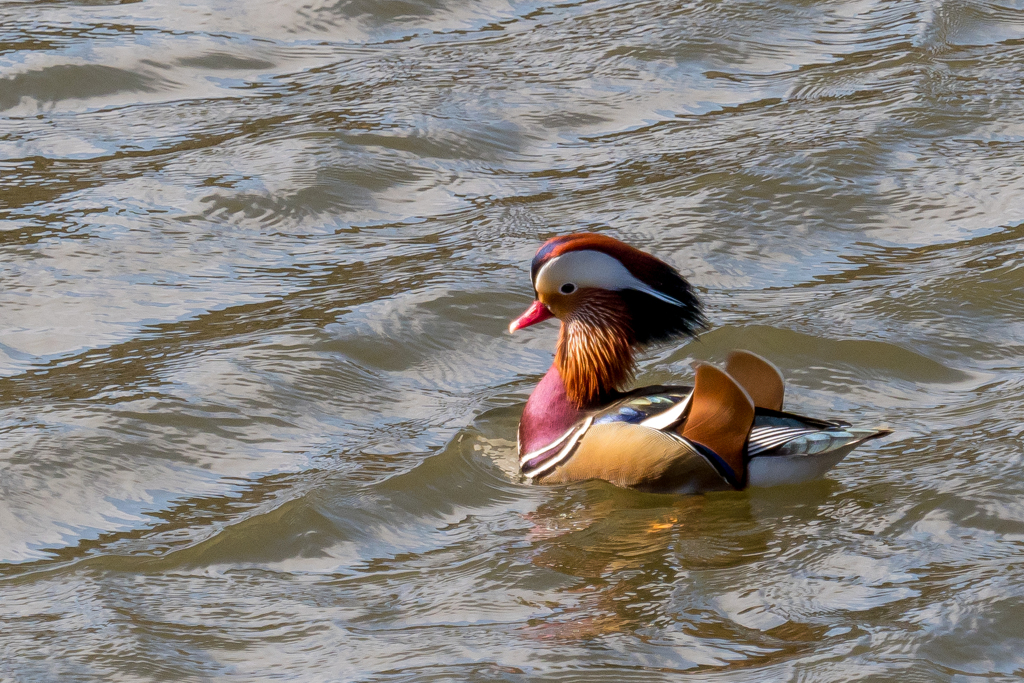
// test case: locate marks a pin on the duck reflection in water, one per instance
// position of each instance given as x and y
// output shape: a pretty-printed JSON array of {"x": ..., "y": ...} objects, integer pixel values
[
  {"x": 630, "y": 550},
  {"x": 638, "y": 560}
]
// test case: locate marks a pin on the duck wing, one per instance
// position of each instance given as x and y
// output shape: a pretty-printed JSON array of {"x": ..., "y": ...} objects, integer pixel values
[
  {"x": 659, "y": 407},
  {"x": 790, "y": 449}
]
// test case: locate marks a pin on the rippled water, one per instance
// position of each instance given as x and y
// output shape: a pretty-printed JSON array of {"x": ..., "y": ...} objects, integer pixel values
[{"x": 258, "y": 404}]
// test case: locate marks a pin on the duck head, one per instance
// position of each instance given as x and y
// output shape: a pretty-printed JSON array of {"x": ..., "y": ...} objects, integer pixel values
[{"x": 611, "y": 299}]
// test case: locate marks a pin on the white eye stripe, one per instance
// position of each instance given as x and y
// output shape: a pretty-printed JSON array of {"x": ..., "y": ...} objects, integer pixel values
[
  {"x": 592, "y": 269},
  {"x": 647, "y": 289}
]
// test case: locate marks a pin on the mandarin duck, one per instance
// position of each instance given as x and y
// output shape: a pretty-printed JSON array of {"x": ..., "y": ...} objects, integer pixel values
[{"x": 728, "y": 431}]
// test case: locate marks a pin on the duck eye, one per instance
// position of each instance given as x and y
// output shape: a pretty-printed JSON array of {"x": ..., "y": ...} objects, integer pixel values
[{"x": 567, "y": 288}]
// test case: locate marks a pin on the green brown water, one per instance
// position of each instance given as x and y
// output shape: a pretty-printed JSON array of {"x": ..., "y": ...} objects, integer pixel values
[{"x": 258, "y": 403}]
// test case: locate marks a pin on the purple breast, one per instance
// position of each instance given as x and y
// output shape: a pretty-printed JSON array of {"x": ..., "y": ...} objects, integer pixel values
[{"x": 548, "y": 414}]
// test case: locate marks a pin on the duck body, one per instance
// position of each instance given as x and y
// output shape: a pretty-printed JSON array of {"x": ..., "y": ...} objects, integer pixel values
[{"x": 728, "y": 431}]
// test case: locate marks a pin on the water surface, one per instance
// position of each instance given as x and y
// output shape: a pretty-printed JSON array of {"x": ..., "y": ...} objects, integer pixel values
[{"x": 258, "y": 403}]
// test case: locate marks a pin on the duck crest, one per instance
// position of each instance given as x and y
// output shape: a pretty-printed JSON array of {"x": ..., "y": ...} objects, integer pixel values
[{"x": 595, "y": 349}]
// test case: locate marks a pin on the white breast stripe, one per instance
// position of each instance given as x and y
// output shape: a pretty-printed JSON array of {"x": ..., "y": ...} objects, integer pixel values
[
  {"x": 548, "y": 464},
  {"x": 554, "y": 444},
  {"x": 669, "y": 417}
]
